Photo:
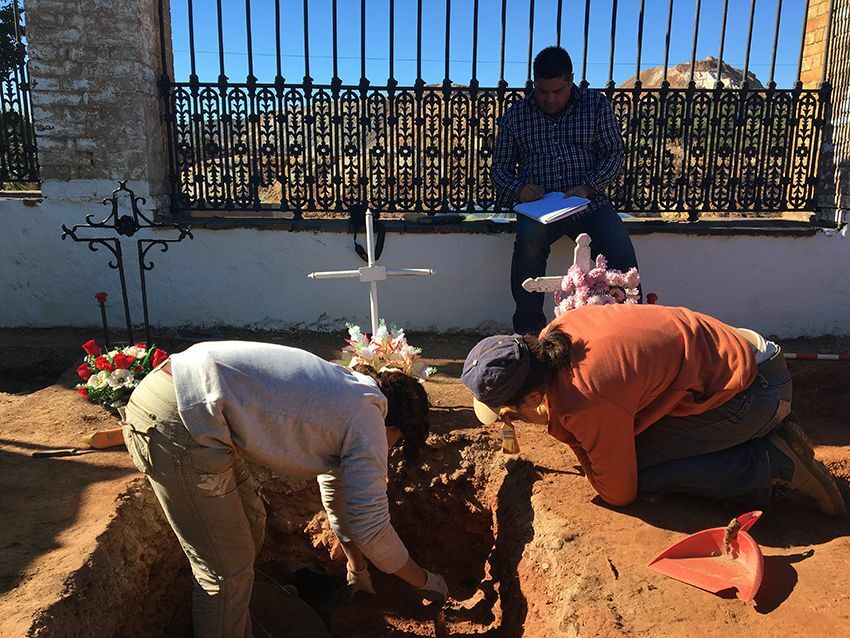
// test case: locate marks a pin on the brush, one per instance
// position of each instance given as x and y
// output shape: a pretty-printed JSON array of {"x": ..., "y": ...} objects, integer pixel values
[{"x": 509, "y": 442}]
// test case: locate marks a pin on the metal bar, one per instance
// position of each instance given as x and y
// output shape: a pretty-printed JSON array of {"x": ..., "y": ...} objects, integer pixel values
[
  {"x": 220, "y": 20},
  {"x": 667, "y": 38},
  {"x": 252, "y": 125},
  {"x": 307, "y": 77},
  {"x": 805, "y": 22},
  {"x": 418, "y": 41},
  {"x": 277, "y": 43},
  {"x": 162, "y": 48},
  {"x": 826, "y": 41},
  {"x": 192, "y": 39},
  {"x": 639, "y": 42},
  {"x": 530, "y": 40},
  {"x": 475, "y": 41},
  {"x": 586, "y": 34},
  {"x": 750, "y": 39},
  {"x": 696, "y": 37},
  {"x": 392, "y": 168},
  {"x": 613, "y": 41},
  {"x": 165, "y": 91},
  {"x": 362, "y": 40},
  {"x": 144, "y": 290},
  {"x": 558, "y": 13},
  {"x": 392, "y": 39},
  {"x": 120, "y": 263},
  {"x": 225, "y": 124},
  {"x": 722, "y": 41},
  {"x": 448, "y": 39},
  {"x": 775, "y": 43},
  {"x": 502, "y": 45}
]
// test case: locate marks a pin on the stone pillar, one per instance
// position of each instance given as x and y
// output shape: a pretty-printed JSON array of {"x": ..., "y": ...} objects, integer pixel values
[
  {"x": 833, "y": 185},
  {"x": 96, "y": 103}
]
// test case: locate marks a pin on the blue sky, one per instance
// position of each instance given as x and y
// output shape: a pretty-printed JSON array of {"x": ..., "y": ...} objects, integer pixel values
[{"x": 489, "y": 34}]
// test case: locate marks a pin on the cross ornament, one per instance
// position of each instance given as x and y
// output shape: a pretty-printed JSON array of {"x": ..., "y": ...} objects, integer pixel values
[
  {"x": 581, "y": 257},
  {"x": 372, "y": 273}
]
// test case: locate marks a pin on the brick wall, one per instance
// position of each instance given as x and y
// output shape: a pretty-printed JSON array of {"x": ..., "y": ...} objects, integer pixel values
[
  {"x": 95, "y": 66},
  {"x": 813, "y": 48}
]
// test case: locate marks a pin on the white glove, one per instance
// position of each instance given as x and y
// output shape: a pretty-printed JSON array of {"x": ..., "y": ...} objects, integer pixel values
[
  {"x": 435, "y": 588},
  {"x": 359, "y": 580}
]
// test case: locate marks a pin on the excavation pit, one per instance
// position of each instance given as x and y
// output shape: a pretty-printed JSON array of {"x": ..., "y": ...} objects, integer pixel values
[{"x": 526, "y": 548}]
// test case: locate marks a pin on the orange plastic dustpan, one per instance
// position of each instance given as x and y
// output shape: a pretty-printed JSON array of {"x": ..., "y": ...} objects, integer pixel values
[{"x": 716, "y": 559}]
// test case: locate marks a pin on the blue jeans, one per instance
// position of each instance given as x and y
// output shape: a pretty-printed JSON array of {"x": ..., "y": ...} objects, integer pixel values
[
  {"x": 719, "y": 454},
  {"x": 533, "y": 244}
]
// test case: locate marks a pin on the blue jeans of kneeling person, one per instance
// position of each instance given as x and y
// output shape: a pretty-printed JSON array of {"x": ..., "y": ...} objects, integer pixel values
[
  {"x": 720, "y": 454},
  {"x": 608, "y": 235}
]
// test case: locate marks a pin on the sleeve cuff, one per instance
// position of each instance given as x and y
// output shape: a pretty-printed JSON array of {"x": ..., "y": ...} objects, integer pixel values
[{"x": 385, "y": 550}]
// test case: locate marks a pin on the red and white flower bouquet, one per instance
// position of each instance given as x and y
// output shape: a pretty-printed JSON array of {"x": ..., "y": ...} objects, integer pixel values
[{"x": 110, "y": 376}]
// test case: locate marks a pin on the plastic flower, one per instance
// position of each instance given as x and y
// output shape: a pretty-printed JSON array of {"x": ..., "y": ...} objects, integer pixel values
[
  {"x": 137, "y": 351},
  {"x": 386, "y": 350},
  {"x": 123, "y": 361},
  {"x": 91, "y": 348},
  {"x": 98, "y": 381},
  {"x": 597, "y": 287},
  {"x": 120, "y": 377}
]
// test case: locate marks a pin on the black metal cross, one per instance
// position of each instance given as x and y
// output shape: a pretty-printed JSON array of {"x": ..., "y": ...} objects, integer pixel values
[{"x": 128, "y": 225}]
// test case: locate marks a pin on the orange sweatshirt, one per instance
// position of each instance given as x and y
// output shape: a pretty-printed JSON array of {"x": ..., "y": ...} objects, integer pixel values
[{"x": 631, "y": 366}]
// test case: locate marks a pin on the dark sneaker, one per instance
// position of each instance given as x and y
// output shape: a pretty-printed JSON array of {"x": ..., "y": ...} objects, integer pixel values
[{"x": 800, "y": 471}]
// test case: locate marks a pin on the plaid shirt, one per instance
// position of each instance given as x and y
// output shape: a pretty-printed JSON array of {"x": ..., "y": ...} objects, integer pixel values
[{"x": 583, "y": 146}]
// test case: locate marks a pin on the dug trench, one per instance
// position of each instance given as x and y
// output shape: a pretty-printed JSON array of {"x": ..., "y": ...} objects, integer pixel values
[{"x": 461, "y": 509}]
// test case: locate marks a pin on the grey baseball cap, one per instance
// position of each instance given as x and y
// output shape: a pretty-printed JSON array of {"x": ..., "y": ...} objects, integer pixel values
[{"x": 494, "y": 371}]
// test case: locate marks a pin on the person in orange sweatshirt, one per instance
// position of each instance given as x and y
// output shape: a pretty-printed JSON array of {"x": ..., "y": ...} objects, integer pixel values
[{"x": 655, "y": 399}]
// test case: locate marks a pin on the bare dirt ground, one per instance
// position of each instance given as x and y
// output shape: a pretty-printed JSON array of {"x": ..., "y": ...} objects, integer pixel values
[{"x": 526, "y": 547}]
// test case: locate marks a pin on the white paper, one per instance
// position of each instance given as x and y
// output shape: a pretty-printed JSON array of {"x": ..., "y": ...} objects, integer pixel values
[{"x": 552, "y": 207}]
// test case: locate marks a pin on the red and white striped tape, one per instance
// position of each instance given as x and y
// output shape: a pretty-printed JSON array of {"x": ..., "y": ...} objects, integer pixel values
[{"x": 809, "y": 356}]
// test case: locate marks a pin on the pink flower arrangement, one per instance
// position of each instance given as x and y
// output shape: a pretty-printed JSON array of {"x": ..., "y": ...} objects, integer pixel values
[{"x": 597, "y": 287}]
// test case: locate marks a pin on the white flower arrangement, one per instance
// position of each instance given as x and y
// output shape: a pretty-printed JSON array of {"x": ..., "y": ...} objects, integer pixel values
[{"x": 387, "y": 350}]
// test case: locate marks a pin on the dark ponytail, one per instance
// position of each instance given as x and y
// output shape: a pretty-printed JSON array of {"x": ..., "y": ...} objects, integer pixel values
[
  {"x": 548, "y": 356},
  {"x": 407, "y": 407}
]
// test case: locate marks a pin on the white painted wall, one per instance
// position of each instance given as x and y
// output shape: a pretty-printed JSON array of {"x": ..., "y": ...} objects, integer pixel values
[{"x": 784, "y": 286}]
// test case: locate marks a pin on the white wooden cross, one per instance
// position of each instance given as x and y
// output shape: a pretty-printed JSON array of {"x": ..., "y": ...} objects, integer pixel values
[
  {"x": 581, "y": 257},
  {"x": 372, "y": 273}
]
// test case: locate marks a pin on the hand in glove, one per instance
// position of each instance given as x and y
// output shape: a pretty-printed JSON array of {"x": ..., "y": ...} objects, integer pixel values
[
  {"x": 359, "y": 580},
  {"x": 435, "y": 588}
]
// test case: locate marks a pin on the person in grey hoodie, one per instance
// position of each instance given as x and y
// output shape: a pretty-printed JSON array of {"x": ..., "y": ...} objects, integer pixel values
[{"x": 192, "y": 423}]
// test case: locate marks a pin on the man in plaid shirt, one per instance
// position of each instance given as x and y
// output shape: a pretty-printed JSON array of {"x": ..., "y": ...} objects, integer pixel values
[{"x": 563, "y": 138}]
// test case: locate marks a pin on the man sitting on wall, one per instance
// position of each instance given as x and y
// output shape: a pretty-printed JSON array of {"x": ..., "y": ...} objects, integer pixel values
[{"x": 563, "y": 138}]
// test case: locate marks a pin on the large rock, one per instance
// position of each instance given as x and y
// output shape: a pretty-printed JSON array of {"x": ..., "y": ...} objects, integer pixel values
[{"x": 705, "y": 76}]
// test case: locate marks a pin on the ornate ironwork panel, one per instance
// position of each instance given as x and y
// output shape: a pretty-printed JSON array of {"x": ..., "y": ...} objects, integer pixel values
[
  {"x": 377, "y": 142},
  {"x": 430, "y": 149}
]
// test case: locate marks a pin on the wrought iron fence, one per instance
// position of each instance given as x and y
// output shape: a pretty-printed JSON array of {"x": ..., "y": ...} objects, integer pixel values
[
  {"x": 18, "y": 159},
  {"x": 309, "y": 147}
]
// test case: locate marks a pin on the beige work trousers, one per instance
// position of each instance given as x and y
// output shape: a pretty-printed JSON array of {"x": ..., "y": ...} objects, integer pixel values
[{"x": 211, "y": 501}]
